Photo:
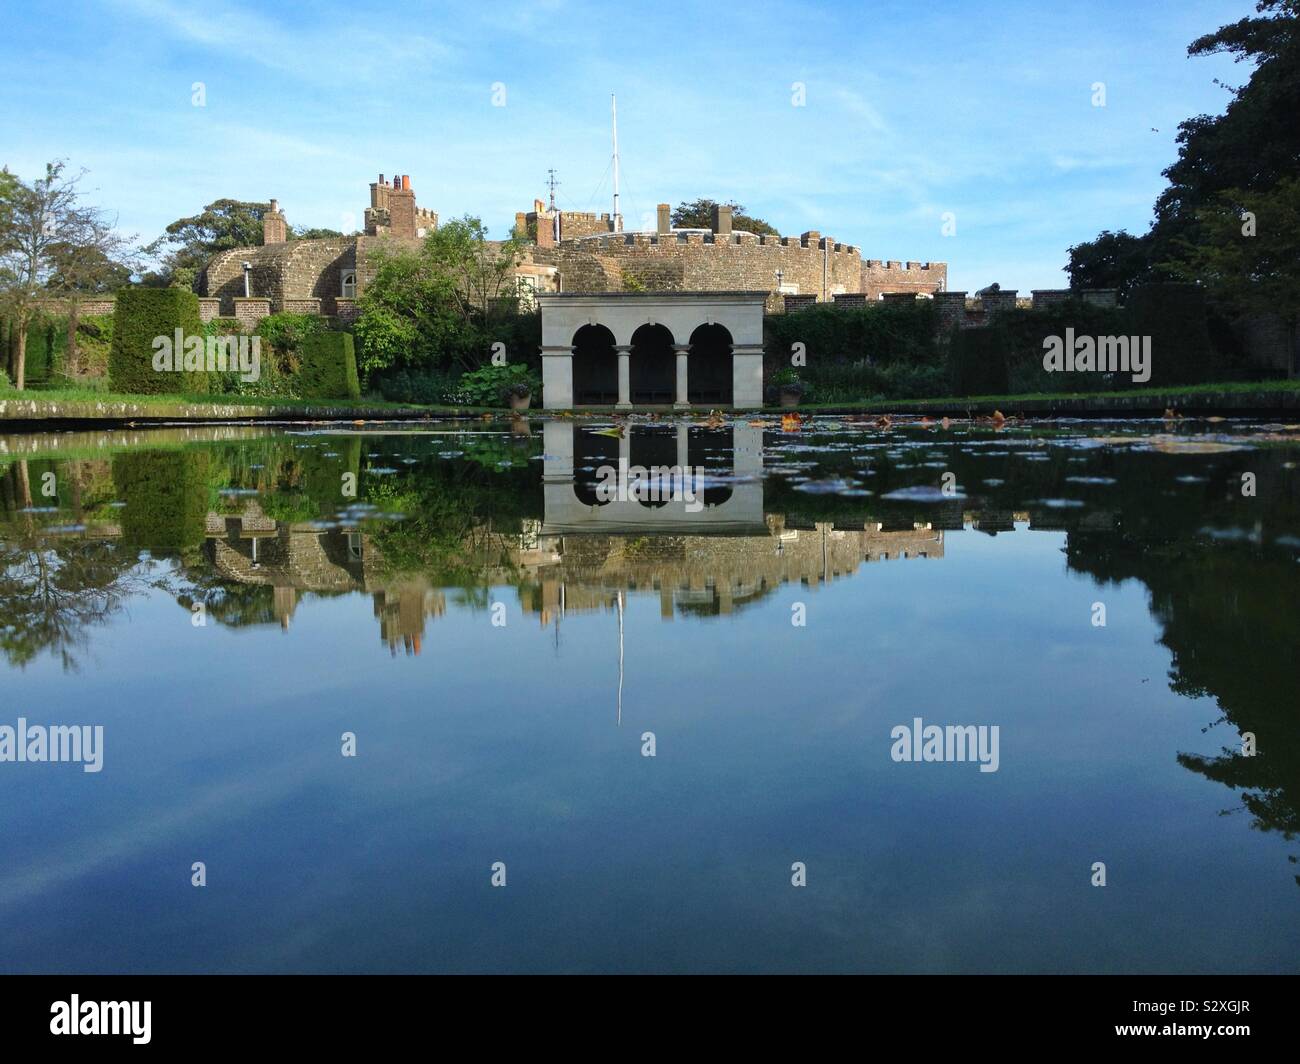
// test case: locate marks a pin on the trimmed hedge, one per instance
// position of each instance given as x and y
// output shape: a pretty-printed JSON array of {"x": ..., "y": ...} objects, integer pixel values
[
  {"x": 1006, "y": 357},
  {"x": 978, "y": 361},
  {"x": 328, "y": 367},
  {"x": 1175, "y": 317},
  {"x": 141, "y": 314}
]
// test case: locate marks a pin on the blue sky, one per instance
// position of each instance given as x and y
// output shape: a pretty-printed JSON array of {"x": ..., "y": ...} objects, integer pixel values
[{"x": 912, "y": 109}]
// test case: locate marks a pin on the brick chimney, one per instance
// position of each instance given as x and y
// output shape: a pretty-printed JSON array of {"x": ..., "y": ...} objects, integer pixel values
[
  {"x": 401, "y": 209},
  {"x": 663, "y": 219},
  {"x": 275, "y": 230}
]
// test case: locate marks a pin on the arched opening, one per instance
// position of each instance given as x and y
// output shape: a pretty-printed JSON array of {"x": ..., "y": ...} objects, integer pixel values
[
  {"x": 714, "y": 452},
  {"x": 595, "y": 367},
  {"x": 653, "y": 370},
  {"x": 710, "y": 374},
  {"x": 652, "y": 455}
]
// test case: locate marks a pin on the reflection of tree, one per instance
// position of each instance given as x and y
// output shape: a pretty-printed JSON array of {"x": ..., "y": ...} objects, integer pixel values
[
  {"x": 1227, "y": 609},
  {"x": 49, "y": 595},
  {"x": 457, "y": 515},
  {"x": 231, "y": 604}
]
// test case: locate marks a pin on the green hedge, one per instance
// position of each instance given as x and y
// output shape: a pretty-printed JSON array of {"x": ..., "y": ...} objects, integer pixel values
[
  {"x": 978, "y": 361},
  {"x": 1006, "y": 357},
  {"x": 328, "y": 368},
  {"x": 141, "y": 315},
  {"x": 1174, "y": 316}
]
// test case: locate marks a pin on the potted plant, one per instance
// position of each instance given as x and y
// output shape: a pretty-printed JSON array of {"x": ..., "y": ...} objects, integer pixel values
[
  {"x": 511, "y": 386},
  {"x": 518, "y": 395},
  {"x": 788, "y": 386}
]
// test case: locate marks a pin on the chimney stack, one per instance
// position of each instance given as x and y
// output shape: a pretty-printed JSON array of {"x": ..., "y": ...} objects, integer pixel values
[
  {"x": 663, "y": 219},
  {"x": 274, "y": 228},
  {"x": 722, "y": 219}
]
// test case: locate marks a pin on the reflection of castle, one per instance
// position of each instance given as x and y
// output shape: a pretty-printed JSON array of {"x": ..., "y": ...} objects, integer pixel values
[
  {"x": 707, "y": 552},
  {"x": 711, "y": 574}
]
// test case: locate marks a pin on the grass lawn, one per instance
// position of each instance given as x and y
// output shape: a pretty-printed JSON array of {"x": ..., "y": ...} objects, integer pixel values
[
  {"x": 86, "y": 404},
  {"x": 42, "y": 404}
]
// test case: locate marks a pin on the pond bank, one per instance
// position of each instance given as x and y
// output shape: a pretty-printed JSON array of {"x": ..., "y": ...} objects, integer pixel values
[
  {"x": 31, "y": 410},
  {"x": 24, "y": 411}
]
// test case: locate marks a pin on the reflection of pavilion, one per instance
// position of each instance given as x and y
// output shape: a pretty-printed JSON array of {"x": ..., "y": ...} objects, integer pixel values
[
  {"x": 713, "y": 558},
  {"x": 731, "y": 497}
]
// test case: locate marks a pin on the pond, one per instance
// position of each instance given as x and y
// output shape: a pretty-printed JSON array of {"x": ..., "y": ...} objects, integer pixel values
[{"x": 651, "y": 696}]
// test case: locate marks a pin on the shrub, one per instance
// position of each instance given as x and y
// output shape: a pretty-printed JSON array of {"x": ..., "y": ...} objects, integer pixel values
[
  {"x": 328, "y": 367},
  {"x": 428, "y": 387},
  {"x": 286, "y": 332},
  {"x": 277, "y": 369},
  {"x": 489, "y": 385},
  {"x": 140, "y": 315},
  {"x": 94, "y": 344},
  {"x": 880, "y": 332}
]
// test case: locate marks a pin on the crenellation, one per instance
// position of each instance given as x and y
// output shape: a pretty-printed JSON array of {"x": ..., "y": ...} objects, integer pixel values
[{"x": 574, "y": 250}]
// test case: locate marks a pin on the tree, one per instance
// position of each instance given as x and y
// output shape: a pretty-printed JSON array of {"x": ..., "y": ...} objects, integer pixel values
[
  {"x": 439, "y": 303},
  {"x": 47, "y": 238},
  {"x": 1256, "y": 141},
  {"x": 1249, "y": 148},
  {"x": 188, "y": 244},
  {"x": 699, "y": 215},
  {"x": 1247, "y": 254},
  {"x": 302, "y": 232},
  {"x": 101, "y": 261},
  {"x": 1113, "y": 260}
]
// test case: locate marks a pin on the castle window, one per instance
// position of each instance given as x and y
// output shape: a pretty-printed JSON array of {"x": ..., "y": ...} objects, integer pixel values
[{"x": 348, "y": 285}]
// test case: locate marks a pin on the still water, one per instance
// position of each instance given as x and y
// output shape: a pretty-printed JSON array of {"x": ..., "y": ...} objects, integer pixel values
[{"x": 360, "y": 673}]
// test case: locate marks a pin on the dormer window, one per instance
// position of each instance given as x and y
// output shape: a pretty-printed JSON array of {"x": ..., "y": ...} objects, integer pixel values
[{"x": 348, "y": 284}]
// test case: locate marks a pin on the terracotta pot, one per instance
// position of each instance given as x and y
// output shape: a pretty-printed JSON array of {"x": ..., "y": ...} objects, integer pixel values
[
  {"x": 790, "y": 398},
  {"x": 520, "y": 402}
]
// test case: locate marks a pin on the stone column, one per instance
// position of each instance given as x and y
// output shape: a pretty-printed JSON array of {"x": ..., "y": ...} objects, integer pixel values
[
  {"x": 624, "y": 377},
  {"x": 683, "y": 444},
  {"x": 557, "y": 442},
  {"x": 683, "y": 401},
  {"x": 557, "y": 378},
  {"x": 747, "y": 376}
]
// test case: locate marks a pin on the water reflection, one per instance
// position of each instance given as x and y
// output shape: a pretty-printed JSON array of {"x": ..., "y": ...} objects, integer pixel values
[{"x": 257, "y": 527}]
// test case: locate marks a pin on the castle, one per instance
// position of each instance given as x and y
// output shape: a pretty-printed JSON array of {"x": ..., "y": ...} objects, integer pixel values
[{"x": 566, "y": 251}]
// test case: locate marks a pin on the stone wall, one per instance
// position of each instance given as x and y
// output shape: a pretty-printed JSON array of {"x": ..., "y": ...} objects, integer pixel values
[
  {"x": 956, "y": 311},
  {"x": 298, "y": 269},
  {"x": 706, "y": 262},
  {"x": 248, "y": 312},
  {"x": 884, "y": 275}
]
